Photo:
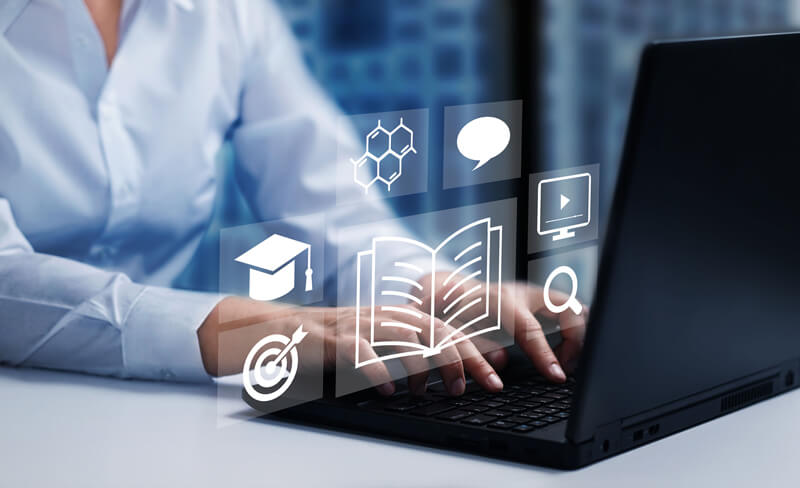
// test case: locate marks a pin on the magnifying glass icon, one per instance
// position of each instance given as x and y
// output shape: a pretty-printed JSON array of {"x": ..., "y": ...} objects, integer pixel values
[{"x": 571, "y": 302}]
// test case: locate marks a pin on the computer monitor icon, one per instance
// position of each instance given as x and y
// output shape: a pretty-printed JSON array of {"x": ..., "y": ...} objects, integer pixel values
[{"x": 564, "y": 204}]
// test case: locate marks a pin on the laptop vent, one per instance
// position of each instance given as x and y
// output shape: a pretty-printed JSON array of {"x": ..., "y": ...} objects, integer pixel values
[{"x": 743, "y": 397}]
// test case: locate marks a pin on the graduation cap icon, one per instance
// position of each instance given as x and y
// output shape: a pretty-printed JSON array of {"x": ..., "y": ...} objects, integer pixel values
[{"x": 272, "y": 266}]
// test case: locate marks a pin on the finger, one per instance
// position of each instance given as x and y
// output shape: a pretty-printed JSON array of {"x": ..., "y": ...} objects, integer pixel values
[
  {"x": 532, "y": 340},
  {"x": 573, "y": 332},
  {"x": 571, "y": 326},
  {"x": 375, "y": 371},
  {"x": 478, "y": 367},
  {"x": 449, "y": 360},
  {"x": 415, "y": 365},
  {"x": 493, "y": 351}
]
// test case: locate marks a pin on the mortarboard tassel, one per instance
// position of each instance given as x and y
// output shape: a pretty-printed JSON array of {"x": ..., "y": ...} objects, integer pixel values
[{"x": 309, "y": 271}]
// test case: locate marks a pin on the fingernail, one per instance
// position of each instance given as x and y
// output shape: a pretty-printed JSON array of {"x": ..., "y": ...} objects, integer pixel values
[
  {"x": 557, "y": 373},
  {"x": 494, "y": 381},
  {"x": 386, "y": 389},
  {"x": 457, "y": 387}
]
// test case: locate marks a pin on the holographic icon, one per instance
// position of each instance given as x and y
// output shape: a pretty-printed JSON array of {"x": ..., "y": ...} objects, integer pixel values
[
  {"x": 465, "y": 304},
  {"x": 269, "y": 375},
  {"x": 572, "y": 303},
  {"x": 272, "y": 266},
  {"x": 482, "y": 139},
  {"x": 383, "y": 156}
]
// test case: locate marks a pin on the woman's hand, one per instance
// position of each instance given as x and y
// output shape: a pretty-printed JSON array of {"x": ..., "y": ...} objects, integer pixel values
[
  {"x": 521, "y": 303},
  {"x": 333, "y": 330}
]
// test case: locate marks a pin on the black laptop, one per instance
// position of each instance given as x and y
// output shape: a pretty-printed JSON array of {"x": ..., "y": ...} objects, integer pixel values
[{"x": 695, "y": 314}]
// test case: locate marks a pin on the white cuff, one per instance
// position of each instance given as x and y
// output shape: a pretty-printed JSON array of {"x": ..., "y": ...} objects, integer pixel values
[{"x": 159, "y": 337}]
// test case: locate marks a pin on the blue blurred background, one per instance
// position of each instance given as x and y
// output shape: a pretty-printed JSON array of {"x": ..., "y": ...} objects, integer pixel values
[{"x": 572, "y": 62}]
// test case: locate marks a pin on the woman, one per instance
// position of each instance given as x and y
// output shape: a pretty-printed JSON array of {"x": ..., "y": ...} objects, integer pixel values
[{"x": 112, "y": 115}]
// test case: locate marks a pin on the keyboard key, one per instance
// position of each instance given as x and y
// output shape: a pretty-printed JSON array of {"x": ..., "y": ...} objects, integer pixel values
[
  {"x": 474, "y": 397},
  {"x": 454, "y": 415},
  {"x": 491, "y": 404},
  {"x": 531, "y": 415},
  {"x": 501, "y": 424},
  {"x": 562, "y": 415},
  {"x": 459, "y": 403},
  {"x": 550, "y": 419},
  {"x": 555, "y": 396},
  {"x": 517, "y": 419},
  {"x": 478, "y": 420},
  {"x": 475, "y": 408},
  {"x": 433, "y": 409},
  {"x": 513, "y": 409},
  {"x": 523, "y": 428},
  {"x": 538, "y": 423},
  {"x": 529, "y": 404},
  {"x": 498, "y": 413}
]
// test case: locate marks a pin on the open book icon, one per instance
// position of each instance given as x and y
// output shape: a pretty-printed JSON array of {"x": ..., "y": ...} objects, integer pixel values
[{"x": 470, "y": 260}]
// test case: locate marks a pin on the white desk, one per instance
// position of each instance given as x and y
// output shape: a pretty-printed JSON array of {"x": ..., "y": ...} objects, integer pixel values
[{"x": 60, "y": 429}]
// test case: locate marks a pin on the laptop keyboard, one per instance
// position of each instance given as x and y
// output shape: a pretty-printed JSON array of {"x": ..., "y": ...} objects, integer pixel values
[{"x": 521, "y": 407}]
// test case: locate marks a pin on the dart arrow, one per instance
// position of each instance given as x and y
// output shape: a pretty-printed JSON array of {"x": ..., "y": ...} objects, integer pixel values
[{"x": 298, "y": 336}]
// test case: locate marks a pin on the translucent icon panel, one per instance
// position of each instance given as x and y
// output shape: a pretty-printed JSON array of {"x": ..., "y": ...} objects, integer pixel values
[
  {"x": 567, "y": 281},
  {"x": 272, "y": 363},
  {"x": 482, "y": 143},
  {"x": 563, "y": 208},
  {"x": 426, "y": 291},
  {"x": 382, "y": 155},
  {"x": 277, "y": 261}
]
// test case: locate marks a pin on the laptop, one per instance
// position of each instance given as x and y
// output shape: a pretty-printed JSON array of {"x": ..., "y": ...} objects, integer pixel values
[{"x": 695, "y": 313}]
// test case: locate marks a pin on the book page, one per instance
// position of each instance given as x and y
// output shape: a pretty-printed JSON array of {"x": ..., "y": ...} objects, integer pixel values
[
  {"x": 396, "y": 286},
  {"x": 464, "y": 259}
]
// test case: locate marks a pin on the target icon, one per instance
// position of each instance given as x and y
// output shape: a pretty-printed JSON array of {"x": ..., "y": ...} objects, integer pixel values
[{"x": 271, "y": 366}]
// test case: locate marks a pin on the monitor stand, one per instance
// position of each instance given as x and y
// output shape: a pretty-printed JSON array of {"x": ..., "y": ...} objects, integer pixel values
[{"x": 564, "y": 233}]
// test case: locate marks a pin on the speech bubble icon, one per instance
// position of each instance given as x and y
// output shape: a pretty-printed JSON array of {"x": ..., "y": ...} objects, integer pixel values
[{"x": 482, "y": 139}]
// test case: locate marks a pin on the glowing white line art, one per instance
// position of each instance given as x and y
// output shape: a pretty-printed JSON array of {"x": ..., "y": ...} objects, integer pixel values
[
  {"x": 401, "y": 279},
  {"x": 385, "y": 157},
  {"x": 572, "y": 303},
  {"x": 463, "y": 280},
  {"x": 401, "y": 325},
  {"x": 461, "y": 268},
  {"x": 565, "y": 231},
  {"x": 468, "y": 249},
  {"x": 275, "y": 368},
  {"x": 402, "y": 295},
  {"x": 478, "y": 236},
  {"x": 407, "y": 311},
  {"x": 461, "y": 297}
]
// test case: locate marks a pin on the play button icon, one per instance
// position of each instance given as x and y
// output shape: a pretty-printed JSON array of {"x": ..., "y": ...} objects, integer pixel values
[{"x": 564, "y": 201}]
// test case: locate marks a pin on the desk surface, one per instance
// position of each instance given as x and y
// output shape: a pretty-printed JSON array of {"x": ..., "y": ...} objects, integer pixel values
[{"x": 61, "y": 429}]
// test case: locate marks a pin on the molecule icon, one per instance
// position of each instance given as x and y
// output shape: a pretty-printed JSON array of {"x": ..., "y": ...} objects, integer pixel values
[{"x": 383, "y": 156}]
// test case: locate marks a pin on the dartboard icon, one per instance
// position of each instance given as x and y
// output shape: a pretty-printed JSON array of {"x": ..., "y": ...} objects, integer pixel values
[{"x": 271, "y": 366}]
